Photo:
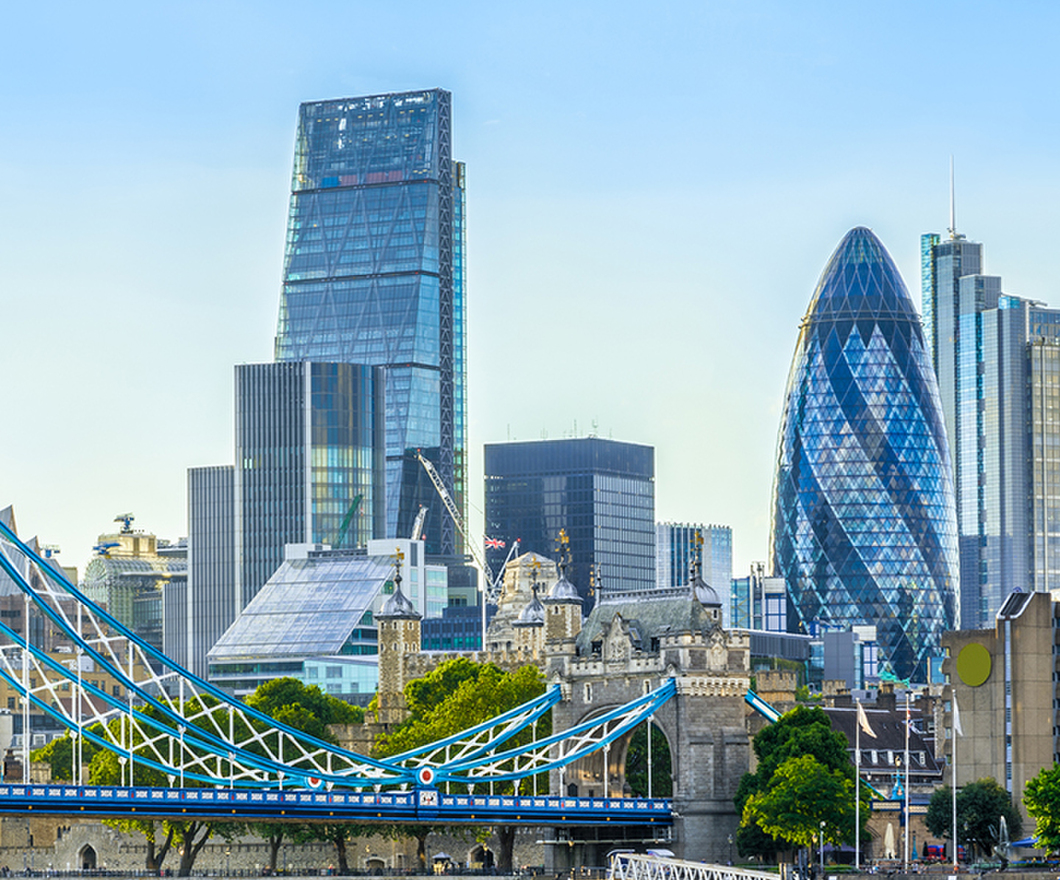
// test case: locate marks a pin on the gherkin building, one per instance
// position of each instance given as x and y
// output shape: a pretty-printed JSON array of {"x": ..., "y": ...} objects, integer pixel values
[{"x": 864, "y": 526}]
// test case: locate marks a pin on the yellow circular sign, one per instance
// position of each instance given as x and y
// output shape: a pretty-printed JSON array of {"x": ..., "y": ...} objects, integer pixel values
[{"x": 973, "y": 664}]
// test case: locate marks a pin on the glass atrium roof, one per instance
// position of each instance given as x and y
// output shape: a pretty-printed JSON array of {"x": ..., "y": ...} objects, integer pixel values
[{"x": 308, "y": 608}]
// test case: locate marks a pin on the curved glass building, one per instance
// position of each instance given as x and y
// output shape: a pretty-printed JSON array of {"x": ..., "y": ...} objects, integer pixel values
[{"x": 864, "y": 522}]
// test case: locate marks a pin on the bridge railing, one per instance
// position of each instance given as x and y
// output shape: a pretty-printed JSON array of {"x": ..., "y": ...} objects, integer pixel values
[{"x": 638, "y": 866}]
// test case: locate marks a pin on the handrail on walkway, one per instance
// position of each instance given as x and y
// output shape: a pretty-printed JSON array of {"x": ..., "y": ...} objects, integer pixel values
[{"x": 639, "y": 866}]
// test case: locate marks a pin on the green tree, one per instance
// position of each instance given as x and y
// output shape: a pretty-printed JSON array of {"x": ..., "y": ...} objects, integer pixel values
[
  {"x": 1042, "y": 800},
  {"x": 802, "y": 732},
  {"x": 478, "y": 692},
  {"x": 980, "y": 806},
  {"x": 311, "y": 711},
  {"x": 802, "y": 794},
  {"x": 307, "y": 709},
  {"x": 59, "y": 754},
  {"x": 188, "y": 837}
]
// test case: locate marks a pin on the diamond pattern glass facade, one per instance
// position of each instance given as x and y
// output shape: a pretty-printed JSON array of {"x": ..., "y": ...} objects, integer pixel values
[
  {"x": 864, "y": 526},
  {"x": 374, "y": 273}
]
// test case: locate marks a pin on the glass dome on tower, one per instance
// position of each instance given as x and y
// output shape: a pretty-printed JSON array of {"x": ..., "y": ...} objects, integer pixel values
[{"x": 864, "y": 524}]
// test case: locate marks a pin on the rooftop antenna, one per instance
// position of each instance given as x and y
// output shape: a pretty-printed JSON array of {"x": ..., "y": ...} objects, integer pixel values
[{"x": 953, "y": 206}]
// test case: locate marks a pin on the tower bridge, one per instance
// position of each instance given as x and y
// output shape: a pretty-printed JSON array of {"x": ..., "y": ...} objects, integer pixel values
[{"x": 657, "y": 660}]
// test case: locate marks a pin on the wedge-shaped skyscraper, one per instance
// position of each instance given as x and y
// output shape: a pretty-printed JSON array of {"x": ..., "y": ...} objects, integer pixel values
[{"x": 864, "y": 521}]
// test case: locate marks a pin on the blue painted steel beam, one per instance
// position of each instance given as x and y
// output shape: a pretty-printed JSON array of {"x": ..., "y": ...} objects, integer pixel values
[{"x": 419, "y": 806}]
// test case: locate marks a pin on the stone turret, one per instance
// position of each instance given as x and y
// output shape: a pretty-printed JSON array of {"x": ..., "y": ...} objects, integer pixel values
[
  {"x": 399, "y": 636},
  {"x": 563, "y": 610},
  {"x": 530, "y": 627}
]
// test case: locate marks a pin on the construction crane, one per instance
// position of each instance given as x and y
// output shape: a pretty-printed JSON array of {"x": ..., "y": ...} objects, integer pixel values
[
  {"x": 417, "y": 525},
  {"x": 344, "y": 526},
  {"x": 492, "y": 584}
]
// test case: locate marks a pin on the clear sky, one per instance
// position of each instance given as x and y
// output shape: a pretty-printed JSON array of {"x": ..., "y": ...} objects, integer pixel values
[{"x": 653, "y": 189}]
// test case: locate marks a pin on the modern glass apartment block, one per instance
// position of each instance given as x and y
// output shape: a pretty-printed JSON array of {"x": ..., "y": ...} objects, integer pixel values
[
  {"x": 864, "y": 529},
  {"x": 211, "y": 599},
  {"x": 318, "y": 607},
  {"x": 375, "y": 273},
  {"x": 309, "y": 462},
  {"x": 993, "y": 354},
  {"x": 601, "y": 492},
  {"x": 678, "y": 544}
]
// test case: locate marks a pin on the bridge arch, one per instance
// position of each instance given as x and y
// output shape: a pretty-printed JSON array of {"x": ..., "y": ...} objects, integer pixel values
[{"x": 586, "y": 777}]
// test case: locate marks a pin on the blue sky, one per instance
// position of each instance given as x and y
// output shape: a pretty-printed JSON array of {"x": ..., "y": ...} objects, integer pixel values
[{"x": 653, "y": 190}]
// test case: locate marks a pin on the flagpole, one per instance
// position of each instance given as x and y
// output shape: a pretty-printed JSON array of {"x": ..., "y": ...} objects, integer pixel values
[
  {"x": 857, "y": 789},
  {"x": 905, "y": 867},
  {"x": 953, "y": 774}
]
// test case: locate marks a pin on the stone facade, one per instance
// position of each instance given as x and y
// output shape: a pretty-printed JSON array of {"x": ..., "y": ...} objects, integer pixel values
[{"x": 1014, "y": 673}]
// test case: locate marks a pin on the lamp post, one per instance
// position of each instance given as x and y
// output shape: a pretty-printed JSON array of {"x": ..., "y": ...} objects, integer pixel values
[
  {"x": 823, "y": 849},
  {"x": 730, "y": 850},
  {"x": 228, "y": 861}
]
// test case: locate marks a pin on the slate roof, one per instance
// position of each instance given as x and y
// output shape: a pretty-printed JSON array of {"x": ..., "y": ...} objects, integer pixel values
[{"x": 650, "y": 614}]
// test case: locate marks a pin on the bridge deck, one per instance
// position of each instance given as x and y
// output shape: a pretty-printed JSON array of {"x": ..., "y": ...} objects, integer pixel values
[{"x": 421, "y": 806}]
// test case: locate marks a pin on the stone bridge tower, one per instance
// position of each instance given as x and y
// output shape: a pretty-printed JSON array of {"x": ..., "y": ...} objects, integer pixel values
[{"x": 631, "y": 644}]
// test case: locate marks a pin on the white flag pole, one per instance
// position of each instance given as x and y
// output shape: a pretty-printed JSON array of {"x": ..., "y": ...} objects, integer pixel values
[
  {"x": 857, "y": 788},
  {"x": 955, "y": 724}
]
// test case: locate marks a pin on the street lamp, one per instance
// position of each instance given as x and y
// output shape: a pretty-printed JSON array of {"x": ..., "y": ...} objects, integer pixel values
[
  {"x": 730, "y": 850},
  {"x": 228, "y": 861},
  {"x": 823, "y": 849}
]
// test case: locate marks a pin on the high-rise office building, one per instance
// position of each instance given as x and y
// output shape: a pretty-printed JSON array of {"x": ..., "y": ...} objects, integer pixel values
[
  {"x": 210, "y": 600},
  {"x": 600, "y": 492},
  {"x": 374, "y": 273},
  {"x": 677, "y": 545},
  {"x": 309, "y": 453},
  {"x": 759, "y": 602},
  {"x": 996, "y": 359},
  {"x": 310, "y": 469},
  {"x": 864, "y": 525}
]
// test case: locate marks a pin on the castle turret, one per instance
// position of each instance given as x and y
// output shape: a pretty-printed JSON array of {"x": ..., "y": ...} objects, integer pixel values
[
  {"x": 563, "y": 609},
  {"x": 399, "y": 635}
]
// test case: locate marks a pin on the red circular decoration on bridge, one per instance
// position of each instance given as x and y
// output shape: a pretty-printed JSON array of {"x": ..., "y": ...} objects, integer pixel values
[
  {"x": 426, "y": 775},
  {"x": 314, "y": 782}
]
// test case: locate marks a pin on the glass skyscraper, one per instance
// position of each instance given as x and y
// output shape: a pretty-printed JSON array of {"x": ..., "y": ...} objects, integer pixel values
[
  {"x": 678, "y": 544},
  {"x": 309, "y": 469},
  {"x": 995, "y": 356},
  {"x": 374, "y": 273},
  {"x": 601, "y": 492},
  {"x": 864, "y": 528}
]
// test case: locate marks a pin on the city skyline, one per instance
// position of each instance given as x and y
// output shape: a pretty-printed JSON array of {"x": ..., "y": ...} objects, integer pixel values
[{"x": 145, "y": 262}]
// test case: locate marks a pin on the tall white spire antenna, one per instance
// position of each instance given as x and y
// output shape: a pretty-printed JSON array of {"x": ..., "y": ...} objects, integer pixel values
[{"x": 953, "y": 206}]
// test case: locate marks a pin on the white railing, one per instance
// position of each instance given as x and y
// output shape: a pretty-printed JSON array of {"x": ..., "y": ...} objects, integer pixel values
[{"x": 638, "y": 866}]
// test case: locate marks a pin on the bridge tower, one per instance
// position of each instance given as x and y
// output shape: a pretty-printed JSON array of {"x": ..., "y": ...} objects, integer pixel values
[{"x": 630, "y": 644}]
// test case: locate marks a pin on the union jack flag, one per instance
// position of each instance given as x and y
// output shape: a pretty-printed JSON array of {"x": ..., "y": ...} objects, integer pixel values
[{"x": 494, "y": 543}]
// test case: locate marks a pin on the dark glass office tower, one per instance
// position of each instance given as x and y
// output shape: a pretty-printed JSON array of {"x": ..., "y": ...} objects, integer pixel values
[
  {"x": 374, "y": 273},
  {"x": 601, "y": 492},
  {"x": 309, "y": 468},
  {"x": 864, "y": 521}
]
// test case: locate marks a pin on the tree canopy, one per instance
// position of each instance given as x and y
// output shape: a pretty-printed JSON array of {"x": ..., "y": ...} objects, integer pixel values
[
  {"x": 803, "y": 769},
  {"x": 1042, "y": 800},
  {"x": 980, "y": 806},
  {"x": 456, "y": 695}
]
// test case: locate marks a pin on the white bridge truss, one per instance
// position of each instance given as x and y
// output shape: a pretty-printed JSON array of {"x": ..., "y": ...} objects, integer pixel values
[{"x": 160, "y": 716}]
